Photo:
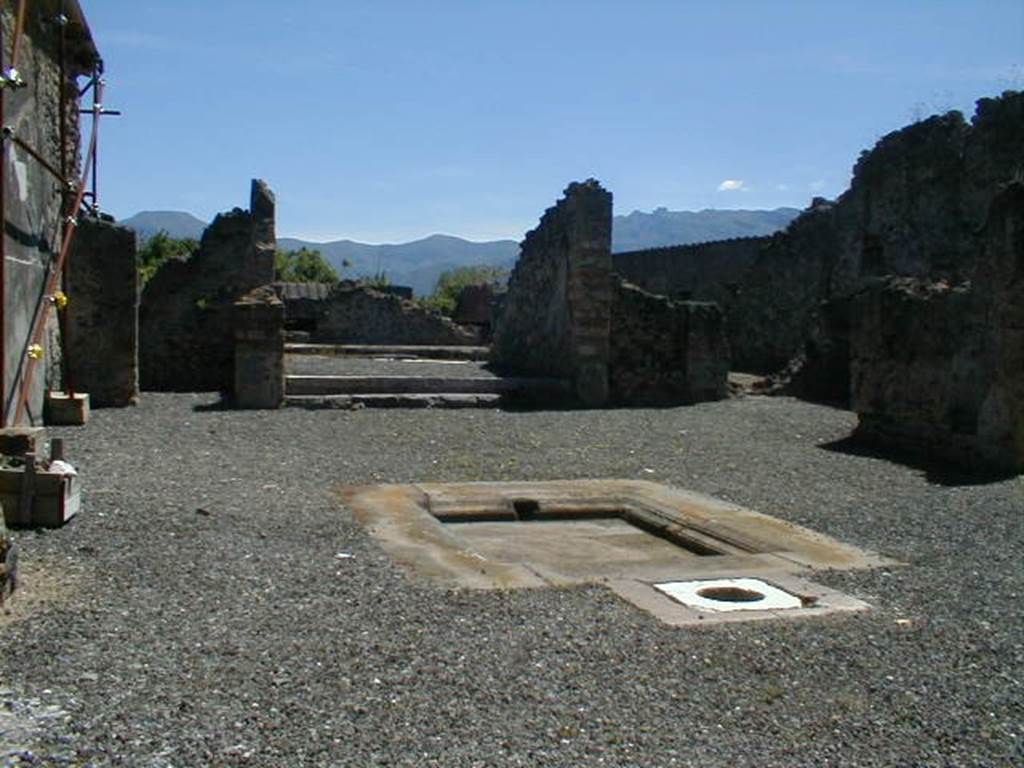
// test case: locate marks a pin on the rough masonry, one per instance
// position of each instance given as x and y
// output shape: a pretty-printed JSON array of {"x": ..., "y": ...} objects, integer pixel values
[
  {"x": 33, "y": 198},
  {"x": 186, "y": 316},
  {"x": 103, "y": 316},
  {"x": 567, "y": 315},
  {"x": 666, "y": 352},
  {"x": 938, "y": 366},
  {"x": 352, "y": 313},
  {"x": 885, "y": 298}
]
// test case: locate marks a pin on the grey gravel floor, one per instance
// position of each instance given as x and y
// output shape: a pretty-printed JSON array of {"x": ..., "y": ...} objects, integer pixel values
[{"x": 197, "y": 612}]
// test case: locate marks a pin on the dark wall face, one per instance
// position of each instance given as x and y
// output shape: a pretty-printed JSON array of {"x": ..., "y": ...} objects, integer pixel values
[
  {"x": 103, "y": 323},
  {"x": 33, "y": 198}
]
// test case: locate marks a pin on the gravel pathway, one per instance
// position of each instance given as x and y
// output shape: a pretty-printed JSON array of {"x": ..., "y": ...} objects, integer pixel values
[{"x": 214, "y": 606}]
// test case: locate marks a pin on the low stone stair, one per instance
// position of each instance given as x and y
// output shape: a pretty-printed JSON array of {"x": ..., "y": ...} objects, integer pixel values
[
  {"x": 347, "y": 376},
  {"x": 395, "y": 351}
]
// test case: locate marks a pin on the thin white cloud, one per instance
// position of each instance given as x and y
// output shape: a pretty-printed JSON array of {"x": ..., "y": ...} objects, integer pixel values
[
  {"x": 782, "y": 187},
  {"x": 816, "y": 186},
  {"x": 733, "y": 185}
]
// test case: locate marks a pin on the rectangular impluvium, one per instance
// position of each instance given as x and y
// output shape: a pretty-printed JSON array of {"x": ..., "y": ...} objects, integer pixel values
[{"x": 685, "y": 557}]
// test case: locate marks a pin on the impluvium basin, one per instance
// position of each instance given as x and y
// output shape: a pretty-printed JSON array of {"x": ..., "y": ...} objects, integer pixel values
[{"x": 684, "y": 557}]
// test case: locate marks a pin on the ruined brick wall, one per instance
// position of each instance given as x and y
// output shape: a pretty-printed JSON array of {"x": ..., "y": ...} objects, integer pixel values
[
  {"x": 32, "y": 197},
  {"x": 555, "y": 318},
  {"x": 103, "y": 328},
  {"x": 938, "y": 367},
  {"x": 186, "y": 313},
  {"x": 356, "y": 314},
  {"x": 665, "y": 352}
]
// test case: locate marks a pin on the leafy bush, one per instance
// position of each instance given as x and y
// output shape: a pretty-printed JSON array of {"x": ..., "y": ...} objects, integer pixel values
[
  {"x": 161, "y": 248},
  {"x": 451, "y": 282},
  {"x": 303, "y": 266}
]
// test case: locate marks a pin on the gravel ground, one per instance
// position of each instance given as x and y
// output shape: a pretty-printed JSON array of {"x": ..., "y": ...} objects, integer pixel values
[
  {"x": 367, "y": 366},
  {"x": 197, "y": 612}
]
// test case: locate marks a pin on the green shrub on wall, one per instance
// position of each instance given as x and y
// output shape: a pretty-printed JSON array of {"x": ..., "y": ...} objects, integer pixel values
[{"x": 303, "y": 266}]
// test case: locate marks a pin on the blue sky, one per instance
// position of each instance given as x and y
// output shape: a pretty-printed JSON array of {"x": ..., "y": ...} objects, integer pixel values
[{"x": 388, "y": 120}]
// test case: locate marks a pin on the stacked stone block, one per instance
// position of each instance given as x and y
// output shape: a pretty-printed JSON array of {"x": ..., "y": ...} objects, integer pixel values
[{"x": 259, "y": 350}]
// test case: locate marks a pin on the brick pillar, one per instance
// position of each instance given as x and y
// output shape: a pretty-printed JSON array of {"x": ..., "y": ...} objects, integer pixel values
[{"x": 589, "y": 210}]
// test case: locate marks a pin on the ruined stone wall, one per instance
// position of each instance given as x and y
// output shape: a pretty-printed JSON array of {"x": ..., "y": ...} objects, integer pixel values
[
  {"x": 938, "y": 367},
  {"x": 356, "y": 314},
  {"x": 915, "y": 208},
  {"x": 701, "y": 271},
  {"x": 33, "y": 198},
  {"x": 186, "y": 314},
  {"x": 768, "y": 317},
  {"x": 302, "y": 304},
  {"x": 555, "y": 318},
  {"x": 102, "y": 327},
  {"x": 665, "y": 352}
]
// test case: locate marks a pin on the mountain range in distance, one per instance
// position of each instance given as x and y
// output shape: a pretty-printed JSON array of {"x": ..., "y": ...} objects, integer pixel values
[{"x": 419, "y": 263}]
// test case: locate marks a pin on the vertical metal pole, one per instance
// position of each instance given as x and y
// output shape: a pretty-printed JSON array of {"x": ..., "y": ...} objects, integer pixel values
[
  {"x": 3, "y": 255},
  {"x": 97, "y": 106},
  {"x": 63, "y": 321}
]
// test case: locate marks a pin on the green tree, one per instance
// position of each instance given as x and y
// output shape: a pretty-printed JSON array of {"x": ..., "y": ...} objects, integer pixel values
[
  {"x": 451, "y": 282},
  {"x": 303, "y": 266},
  {"x": 160, "y": 248}
]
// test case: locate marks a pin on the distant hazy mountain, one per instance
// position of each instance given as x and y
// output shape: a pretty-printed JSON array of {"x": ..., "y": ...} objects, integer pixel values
[
  {"x": 419, "y": 263},
  {"x": 177, "y": 224},
  {"x": 664, "y": 227}
]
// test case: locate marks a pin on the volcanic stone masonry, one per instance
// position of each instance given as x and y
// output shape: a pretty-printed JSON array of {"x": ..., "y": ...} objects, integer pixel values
[
  {"x": 567, "y": 315},
  {"x": 666, "y": 352},
  {"x": 32, "y": 197},
  {"x": 555, "y": 319},
  {"x": 938, "y": 367},
  {"x": 351, "y": 313},
  {"x": 103, "y": 314},
  {"x": 186, "y": 316},
  {"x": 259, "y": 349},
  {"x": 886, "y": 297}
]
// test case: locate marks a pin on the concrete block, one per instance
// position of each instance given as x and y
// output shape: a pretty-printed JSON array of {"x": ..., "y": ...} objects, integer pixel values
[
  {"x": 62, "y": 409},
  {"x": 50, "y": 500}
]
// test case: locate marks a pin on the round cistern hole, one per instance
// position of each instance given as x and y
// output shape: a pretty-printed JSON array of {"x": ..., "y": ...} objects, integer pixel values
[{"x": 730, "y": 594}]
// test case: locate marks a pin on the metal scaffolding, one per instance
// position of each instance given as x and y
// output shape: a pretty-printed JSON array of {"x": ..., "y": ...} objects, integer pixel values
[{"x": 80, "y": 195}]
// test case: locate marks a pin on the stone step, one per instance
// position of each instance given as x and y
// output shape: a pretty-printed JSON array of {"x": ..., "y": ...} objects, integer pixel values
[
  {"x": 390, "y": 350},
  {"x": 407, "y": 400},
  {"x": 379, "y": 385}
]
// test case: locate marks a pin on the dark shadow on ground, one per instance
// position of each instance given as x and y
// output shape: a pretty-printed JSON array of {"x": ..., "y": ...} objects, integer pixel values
[{"x": 936, "y": 471}]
